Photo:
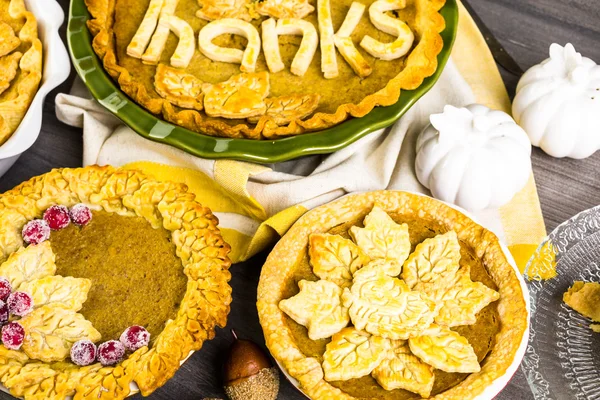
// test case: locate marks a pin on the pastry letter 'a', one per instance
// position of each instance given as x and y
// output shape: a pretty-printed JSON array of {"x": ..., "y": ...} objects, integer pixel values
[
  {"x": 392, "y": 26},
  {"x": 232, "y": 26}
]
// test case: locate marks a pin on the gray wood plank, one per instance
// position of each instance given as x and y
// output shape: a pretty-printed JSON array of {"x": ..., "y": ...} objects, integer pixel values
[{"x": 525, "y": 27}]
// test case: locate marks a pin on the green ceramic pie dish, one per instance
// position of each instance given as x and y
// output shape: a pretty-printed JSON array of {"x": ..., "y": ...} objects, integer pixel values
[{"x": 104, "y": 89}]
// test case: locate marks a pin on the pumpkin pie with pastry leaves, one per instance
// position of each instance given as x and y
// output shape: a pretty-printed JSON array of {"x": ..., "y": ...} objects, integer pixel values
[
  {"x": 20, "y": 64},
  {"x": 391, "y": 295},
  {"x": 264, "y": 69},
  {"x": 109, "y": 279}
]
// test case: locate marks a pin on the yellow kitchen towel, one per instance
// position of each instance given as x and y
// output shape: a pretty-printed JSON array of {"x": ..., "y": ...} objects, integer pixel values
[{"x": 257, "y": 204}]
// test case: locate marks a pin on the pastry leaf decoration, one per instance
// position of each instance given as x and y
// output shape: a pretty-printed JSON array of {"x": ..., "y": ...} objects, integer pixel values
[
  {"x": 8, "y": 40},
  {"x": 59, "y": 291},
  {"x": 335, "y": 258},
  {"x": 352, "y": 354},
  {"x": 284, "y": 8},
  {"x": 445, "y": 350},
  {"x": 51, "y": 331},
  {"x": 242, "y": 96},
  {"x": 322, "y": 318},
  {"x": 286, "y": 109},
  {"x": 385, "y": 306},
  {"x": 382, "y": 237},
  {"x": 400, "y": 369},
  {"x": 29, "y": 263},
  {"x": 433, "y": 264}
]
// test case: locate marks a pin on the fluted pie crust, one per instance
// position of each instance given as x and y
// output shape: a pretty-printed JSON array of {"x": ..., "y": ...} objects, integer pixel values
[
  {"x": 407, "y": 73},
  {"x": 287, "y": 259},
  {"x": 198, "y": 243}
]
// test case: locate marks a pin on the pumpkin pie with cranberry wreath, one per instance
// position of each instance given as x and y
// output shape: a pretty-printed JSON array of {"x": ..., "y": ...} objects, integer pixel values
[
  {"x": 20, "y": 64},
  {"x": 109, "y": 280},
  {"x": 391, "y": 295},
  {"x": 263, "y": 69}
]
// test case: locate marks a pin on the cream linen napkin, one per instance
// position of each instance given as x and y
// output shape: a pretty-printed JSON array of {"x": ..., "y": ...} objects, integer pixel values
[{"x": 263, "y": 201}]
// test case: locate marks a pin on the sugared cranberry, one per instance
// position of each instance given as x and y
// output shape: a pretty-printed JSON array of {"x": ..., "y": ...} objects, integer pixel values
[
  {"x": 20, "y": 303},
  {"x": 3, "y": 312},
  {"x": 5, "y": 288},
  {"x": 36, "y": 231},
  {"x": 13, "y": 335},
  {"x": 111, "y": 352},
  {"x": 57, "y": 217},
  {"x": 135, "y": 337},
  {"x": 80, "y": 214},
  {"x": 83, "y": 353}
]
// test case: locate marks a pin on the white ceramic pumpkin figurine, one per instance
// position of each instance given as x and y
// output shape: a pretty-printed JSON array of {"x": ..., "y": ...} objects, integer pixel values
[
  {"x": 558, "y": 104},
  {"x": 474, "y": 157}
]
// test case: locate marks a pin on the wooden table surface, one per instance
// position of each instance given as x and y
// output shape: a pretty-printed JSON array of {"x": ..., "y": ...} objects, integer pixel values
[{"x": 525, "y": 27}]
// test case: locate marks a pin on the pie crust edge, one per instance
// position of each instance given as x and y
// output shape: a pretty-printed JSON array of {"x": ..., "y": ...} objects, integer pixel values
[
  {"x": 199, "y": 245},
  {"x": 421, "y": 63},
  {"x": 289, "y": 251}
]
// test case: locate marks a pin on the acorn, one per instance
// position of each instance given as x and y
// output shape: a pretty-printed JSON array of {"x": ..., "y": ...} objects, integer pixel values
[{"x": 248, "y": 373}]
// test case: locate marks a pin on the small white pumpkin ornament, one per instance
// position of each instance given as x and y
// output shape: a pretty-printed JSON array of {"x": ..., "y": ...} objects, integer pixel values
[
  {"x": 474, "y": 157},
  {"x": 558, "y": 104}
]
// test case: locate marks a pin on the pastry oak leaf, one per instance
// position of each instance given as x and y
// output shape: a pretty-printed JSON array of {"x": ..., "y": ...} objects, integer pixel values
[
  {"x": 400, "y": 369},
  {"x": 179, "y": 87},
  {"x": 66, "y": 292},
  {"x": 284, "y": 8},
  {"x": 317, "y": 307},
  {"x": 211, "y": 10},
  {"x": 8, "y": 40},
  {"x": 29, "y": 263},
  {"x": 385, "y": 306},
  {"x": 433, "y": 264},
  {"x": 352, "y": 354},
  {"x": 286, "y": 109},
  {"x": 51, "y": 331},
  {"x": 335, "y": 258},
  {"x": 382, "y": 237},
  {"x": 463, "y": 300},
  {"x": 242, "y": 96},
  {"x": 445, "y": 350}
]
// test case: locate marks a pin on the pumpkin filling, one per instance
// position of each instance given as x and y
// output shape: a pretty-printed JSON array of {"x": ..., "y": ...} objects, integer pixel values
[
  {"x": 137, "y": 278},
  {"x": 129, "y": 15},
  {"x": 480, "y": 335}
]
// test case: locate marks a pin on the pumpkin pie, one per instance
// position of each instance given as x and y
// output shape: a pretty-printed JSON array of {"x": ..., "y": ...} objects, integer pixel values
[
  {"x": 20, "y": 64},
  {"x": 391, "y": 295},
  {"x": 108, "y": 281},
  {"x": 266, "y": 69}
]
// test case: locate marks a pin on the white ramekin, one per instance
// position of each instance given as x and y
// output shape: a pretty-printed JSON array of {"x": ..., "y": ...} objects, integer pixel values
[{"x": 56, "y": 69}]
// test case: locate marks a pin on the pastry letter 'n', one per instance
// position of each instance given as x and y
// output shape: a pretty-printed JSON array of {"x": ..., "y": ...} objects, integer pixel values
[
  {"x": 187, "y": 42},
  {"x": 161, "y": 34},
  {"x": 392, "y": 26},
  {"x": 270, "y": 40},
  {"x": 308, "y": 46},
  {"x": 232, "y": 26}
]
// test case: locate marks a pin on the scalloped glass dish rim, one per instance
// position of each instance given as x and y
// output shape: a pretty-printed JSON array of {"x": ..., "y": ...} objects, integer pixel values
[
  {"x": 103, "y": 88},
  {"x": 500, "y": 383}
]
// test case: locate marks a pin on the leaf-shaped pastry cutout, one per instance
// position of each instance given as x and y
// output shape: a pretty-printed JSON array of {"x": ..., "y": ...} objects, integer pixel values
[
  {"x": 400, "y": 369},
  {"x": 29, "y": 263},
  {"x": 387, "y": 266},
  {"x": 66, "y": 292},
  {"x": 211, "y": 10},
  {"x": 284, "y": 8},
  {"x": 352, "y": 354},
  {"x": 385, "y": 306},
  {"x": 433, "y": 264},
  {"x": 8, "y": 40},
  {"x": 286, "y": 109},
  {"x": 51, "y": 331},
  {"x": 317, "y": 307},
  {"x": 178, "y": 87},
  {"x": 382, "y": 237},
  {"x": 242, "y": 96},
  {"x": 463, "y": 300},
  {"x": 445, "y": 350},
  {"x": 335, "y": 258},
  {"x": 9, "y": 66}
]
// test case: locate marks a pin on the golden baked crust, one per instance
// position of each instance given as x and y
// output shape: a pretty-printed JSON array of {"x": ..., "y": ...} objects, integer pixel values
[
  {"x": 420, "y": 63},
  {"x": 21, "y": 62},
  {"x": 199, "y": 245},
  {"x": 282, "y": 261}
]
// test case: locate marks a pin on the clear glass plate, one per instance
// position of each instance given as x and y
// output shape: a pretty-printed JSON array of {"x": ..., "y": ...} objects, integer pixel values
[{"x": 563, "y": 356}]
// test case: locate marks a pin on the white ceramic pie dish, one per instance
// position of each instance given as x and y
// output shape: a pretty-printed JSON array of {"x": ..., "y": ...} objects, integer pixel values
[
  {"x": 55, "y": 70},
  {"x": 500, "y": 383}
]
